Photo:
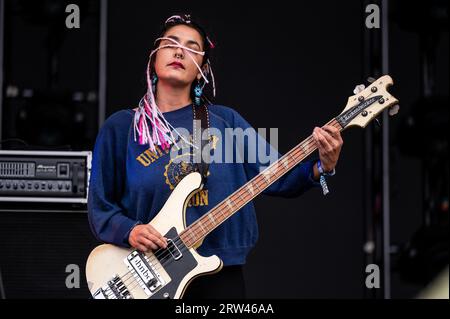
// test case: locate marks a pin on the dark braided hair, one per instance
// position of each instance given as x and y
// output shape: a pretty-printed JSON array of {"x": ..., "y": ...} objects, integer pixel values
[{"x": 185, "y": 19}]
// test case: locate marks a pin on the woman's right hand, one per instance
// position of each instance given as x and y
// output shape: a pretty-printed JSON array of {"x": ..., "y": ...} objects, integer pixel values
[{"x": 146, "y": 237}]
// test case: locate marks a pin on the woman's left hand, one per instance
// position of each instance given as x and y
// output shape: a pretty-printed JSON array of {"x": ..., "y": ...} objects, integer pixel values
[{"x": 329, "y": 142}]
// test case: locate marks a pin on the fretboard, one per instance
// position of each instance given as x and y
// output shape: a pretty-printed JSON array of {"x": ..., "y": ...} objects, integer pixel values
[{"x": 198, "y": 230}]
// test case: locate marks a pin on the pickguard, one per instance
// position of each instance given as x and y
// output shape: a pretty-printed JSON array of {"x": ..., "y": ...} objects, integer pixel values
[{"x": 176, "y": 269}]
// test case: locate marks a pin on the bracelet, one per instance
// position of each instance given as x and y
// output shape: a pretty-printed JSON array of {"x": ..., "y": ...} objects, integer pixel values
[
  {"x": 322, "y": 179},
  {"x": 322, "y": 172}
]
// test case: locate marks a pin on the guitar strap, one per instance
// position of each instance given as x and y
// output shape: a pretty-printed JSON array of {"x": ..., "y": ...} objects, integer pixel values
[{"x": 201, "y": 114}]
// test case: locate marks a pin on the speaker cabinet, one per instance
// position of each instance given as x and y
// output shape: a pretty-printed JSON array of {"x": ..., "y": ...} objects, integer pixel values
[{"x": 37, "y": 247}]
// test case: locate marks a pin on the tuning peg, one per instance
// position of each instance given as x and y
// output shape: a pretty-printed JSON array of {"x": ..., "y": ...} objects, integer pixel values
[
  {"x": 359, "y": 88},
  {"x": 371, "y": 79},
  {"x": 394, "y": 109}
]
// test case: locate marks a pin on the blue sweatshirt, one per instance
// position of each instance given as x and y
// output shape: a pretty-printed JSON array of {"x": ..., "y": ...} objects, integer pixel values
[{"x": 130, "y": 183}]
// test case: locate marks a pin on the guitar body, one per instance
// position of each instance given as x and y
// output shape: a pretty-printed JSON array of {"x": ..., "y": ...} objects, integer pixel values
[{"x": 114, "y": 272}]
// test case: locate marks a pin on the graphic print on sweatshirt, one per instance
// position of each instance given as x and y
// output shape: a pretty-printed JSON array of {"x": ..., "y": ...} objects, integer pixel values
[{"x": 177, "y": 168}]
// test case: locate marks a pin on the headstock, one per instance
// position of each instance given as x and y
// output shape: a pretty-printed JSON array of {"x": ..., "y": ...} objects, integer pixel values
[{"x": 367, "y": 103}]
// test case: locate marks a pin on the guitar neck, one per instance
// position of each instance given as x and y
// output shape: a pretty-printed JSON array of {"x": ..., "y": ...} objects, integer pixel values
[{"x": 197, "y": 231}]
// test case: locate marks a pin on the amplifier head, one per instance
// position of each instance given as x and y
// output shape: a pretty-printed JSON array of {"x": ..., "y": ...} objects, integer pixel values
[{"x": 44, "y": 176}]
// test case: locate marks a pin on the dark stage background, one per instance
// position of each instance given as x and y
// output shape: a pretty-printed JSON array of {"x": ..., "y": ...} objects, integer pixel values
[{"x": 280, "y": 65}]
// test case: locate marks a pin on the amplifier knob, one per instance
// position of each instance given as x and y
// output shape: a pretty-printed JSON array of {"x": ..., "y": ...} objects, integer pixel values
[
  {"x": 8, "y": 184},
  {"x": 15, "y": 185},
  {"x": 1, "y": 184},
  {"x": 22, "y": 185},
  {"x": 59, "y": 186},
  {"x": 50, "y": 186},
  {"x": 67, "y": 186},
  {"x": 36, "y": 185}
]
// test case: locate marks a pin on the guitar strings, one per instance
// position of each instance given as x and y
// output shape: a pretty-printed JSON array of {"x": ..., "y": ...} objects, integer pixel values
[
  {"x": 308, "y": 141},
  {"x": 163, "y": 254},
  {"x": 164, "y": 262},
  {"x": 196, "y": 224}
]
